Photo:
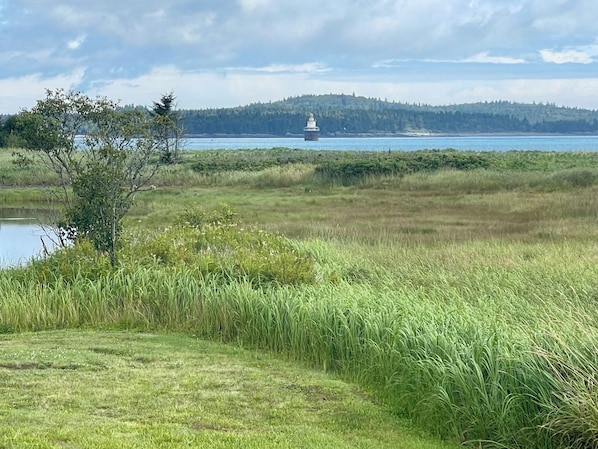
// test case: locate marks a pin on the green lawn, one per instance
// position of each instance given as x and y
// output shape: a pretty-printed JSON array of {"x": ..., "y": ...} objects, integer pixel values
[{"x": 91, "y": 389}]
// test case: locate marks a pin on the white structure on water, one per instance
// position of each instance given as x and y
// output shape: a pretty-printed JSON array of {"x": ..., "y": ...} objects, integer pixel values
[{"x": 311, "y": 131}]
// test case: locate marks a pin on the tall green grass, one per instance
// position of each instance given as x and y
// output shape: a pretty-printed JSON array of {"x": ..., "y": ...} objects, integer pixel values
[{"x": 474, "y": 342}]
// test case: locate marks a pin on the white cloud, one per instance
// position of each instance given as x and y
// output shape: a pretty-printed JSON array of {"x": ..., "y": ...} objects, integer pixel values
[
  {"x": 214, "y": 89},
  {"x": 309, "y": 67},
  {"x": 484, "y": 57},
  {"x": 23, "y": 92},
  {"x": 76, "y": 43},
  {"x": 479, "y": 58},
  {"x": 251, "y": 5},
  {"x": 566, "y": 56},
  {"x": 196, "y": 90},
  {"x": 566, "y": 92}
]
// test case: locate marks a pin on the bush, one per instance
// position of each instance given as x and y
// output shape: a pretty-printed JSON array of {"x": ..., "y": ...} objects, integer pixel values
[
  {"x": 350, "y": 168},
  {"x": 197, "y": 218},
  {"x": 250, "y": 160},
  {"x": 228, "y": 249},
  {"x": 209, "y": 241}
]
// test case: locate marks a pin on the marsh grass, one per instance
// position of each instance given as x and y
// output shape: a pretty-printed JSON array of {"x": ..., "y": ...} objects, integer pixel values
[
  {"x": 22, "y": 175},
  {"x": 464, "y": 300},
  {"x": 573, "y": 409}
]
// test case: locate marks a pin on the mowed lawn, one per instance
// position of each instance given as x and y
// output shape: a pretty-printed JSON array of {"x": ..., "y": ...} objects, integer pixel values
[{"x": 91, "y": 389}]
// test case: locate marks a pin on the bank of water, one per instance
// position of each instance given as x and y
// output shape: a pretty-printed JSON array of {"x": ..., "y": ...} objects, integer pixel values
[
  {"x": 412, "y": 143},
  {"x": 21, "y": 239}
]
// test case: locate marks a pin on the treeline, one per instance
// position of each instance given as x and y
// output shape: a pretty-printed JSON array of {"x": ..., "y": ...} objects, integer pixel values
[
  {"x": 339, "y": 115},
  {"x": 350, "y": 115}
]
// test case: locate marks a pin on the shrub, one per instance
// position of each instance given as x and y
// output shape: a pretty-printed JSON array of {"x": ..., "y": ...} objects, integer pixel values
[
  {"x": 231, "y": 250},
  {"x": 250, "y": 160},
  {"x": 350, "y": 168},
  {"x": 208, "y": 241},
  {"x": 197, "y": 218}
]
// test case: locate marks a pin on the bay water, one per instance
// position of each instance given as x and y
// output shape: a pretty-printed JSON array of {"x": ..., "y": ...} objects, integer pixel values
[{"x": 412, "y": 143}]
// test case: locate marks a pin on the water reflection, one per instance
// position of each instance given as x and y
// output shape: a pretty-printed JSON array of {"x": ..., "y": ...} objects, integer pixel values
[{"x": 21, "y": 239}]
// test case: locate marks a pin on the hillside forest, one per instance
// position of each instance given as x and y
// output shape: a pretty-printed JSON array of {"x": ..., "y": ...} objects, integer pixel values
[
  {"x": 350, "y": 115},
  {"x": 340, "y": 115}
]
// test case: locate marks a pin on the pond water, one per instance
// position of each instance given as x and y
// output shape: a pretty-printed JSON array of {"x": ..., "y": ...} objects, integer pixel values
[{"x": 21, "y": 239}]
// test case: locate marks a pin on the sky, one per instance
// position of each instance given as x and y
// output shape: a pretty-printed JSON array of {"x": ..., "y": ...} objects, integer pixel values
[{"x": 226, "y": 53}]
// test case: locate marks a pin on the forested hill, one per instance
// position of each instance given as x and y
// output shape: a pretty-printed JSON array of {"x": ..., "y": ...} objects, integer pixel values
[{"x": 339, "y": 115}]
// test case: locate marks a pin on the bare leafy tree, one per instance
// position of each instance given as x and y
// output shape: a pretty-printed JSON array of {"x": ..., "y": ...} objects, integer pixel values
[{"x": 102, "y": 157}]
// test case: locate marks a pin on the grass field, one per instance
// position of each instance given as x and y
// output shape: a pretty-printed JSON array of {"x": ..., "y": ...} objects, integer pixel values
[
  {"x": 459, "y": 294},
  {"x": 83, "y": 388}
]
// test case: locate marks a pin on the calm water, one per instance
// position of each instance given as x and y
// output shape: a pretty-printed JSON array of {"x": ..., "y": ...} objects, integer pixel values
[
  {"x": 476, "y": 143},
  {"x": 20, "y": 240}
]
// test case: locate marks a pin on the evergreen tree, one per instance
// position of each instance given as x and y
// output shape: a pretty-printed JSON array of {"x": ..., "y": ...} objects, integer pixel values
[{"x": 166, "y": 127}]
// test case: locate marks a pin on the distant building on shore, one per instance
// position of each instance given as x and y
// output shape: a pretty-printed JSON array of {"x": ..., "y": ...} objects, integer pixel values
[{"x": 311, "y": 131}]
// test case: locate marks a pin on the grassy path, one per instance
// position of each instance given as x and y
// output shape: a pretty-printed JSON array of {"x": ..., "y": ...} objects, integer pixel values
[{"x": 87, "y": 389}]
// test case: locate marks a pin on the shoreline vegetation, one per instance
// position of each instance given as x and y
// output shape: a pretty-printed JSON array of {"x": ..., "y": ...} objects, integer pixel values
[{"x": 457, "y": 288}]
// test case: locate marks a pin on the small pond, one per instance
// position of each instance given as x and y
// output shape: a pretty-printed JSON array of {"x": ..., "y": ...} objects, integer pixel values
[{"x": 21, "y": 239}]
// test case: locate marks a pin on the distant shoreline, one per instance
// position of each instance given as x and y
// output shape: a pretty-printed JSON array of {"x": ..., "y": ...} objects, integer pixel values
[{"x": 383, "y": 135}]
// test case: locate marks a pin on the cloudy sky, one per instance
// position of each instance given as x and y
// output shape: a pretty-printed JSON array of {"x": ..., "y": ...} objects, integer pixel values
[{"x": 220, "y": 53}]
